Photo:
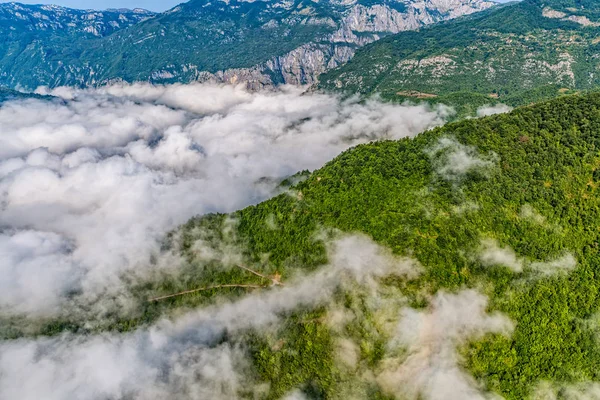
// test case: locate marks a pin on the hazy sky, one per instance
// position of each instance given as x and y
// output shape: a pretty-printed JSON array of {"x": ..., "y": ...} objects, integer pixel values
[{"x": 154, "y": 5}]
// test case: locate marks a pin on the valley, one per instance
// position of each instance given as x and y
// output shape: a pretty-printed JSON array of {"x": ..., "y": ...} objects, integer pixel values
[{"x": 300, "y": 200}]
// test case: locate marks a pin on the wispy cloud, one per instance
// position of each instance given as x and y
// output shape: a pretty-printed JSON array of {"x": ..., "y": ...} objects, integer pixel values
[
  {"x": 577, "y": 391},
  {"x": 186, "y": 357},
  {"x": 431, "y": 367},
  {"x": 486, "y": 111},
  {"x": 491, "y": 253},
  {"x": 453, "y": 160}
]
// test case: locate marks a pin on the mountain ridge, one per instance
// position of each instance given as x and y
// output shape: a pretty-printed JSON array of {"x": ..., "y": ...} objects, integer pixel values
[
  {"x": 224, "y": 41},
  {"x": 16, "y": 16},
  {"x": 515, "y": 54},
  {"x": 9, "y": 94},
  {"x": 503, "y": 206}
]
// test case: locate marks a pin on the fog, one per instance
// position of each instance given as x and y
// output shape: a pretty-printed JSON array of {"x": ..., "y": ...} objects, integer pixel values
[
  {"x": 91, "y": 181},
  {"x": 185, "y": 357},
  {"x": 431, "y": 369},
  {"x": 453, "y": 160}
]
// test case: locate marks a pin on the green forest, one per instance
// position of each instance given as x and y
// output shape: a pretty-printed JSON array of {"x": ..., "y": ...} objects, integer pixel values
[
  {"x": 196, "y": 37},
  {"x": 527, "y": 181},
  {"x": 511, "y": 54}
]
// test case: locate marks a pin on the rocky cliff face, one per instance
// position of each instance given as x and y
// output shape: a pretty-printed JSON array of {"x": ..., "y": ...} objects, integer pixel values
[
  {"x": 359, "y": 25},
  {"x": 261, "y": 43},
  {"x": 515, "y": 54},
  {"x": 19, "y": 18}
]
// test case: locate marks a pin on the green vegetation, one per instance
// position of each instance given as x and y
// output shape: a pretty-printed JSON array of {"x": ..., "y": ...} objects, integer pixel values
[
  {"x": 33, "y": 38},
  {"x": 176, "y": 46},
  {"x": 8, "y": 94},
  {"x": 44, "y": 48},
  {"x": 545, "y": 158},
  {"x": 300, "y": 355},
  {"x": 512, "y": 55}
]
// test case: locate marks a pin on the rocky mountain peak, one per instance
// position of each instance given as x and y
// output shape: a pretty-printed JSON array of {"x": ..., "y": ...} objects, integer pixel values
[{"x": 17, "y": 17}]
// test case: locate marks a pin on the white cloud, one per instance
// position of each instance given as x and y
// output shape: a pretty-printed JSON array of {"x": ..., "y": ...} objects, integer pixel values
[
  {"x": 25, "y": 251},
  {"x": 486, "y": 111},
  {"x": 365, "y": 260},
  {"x": 431, "y": 368},
  {"x": 183, "y": 358},
  {"x": 295, "y": 395},
  {"x": 530, "y": 213},
  {"x": 563, "y": 264},
  {"x": 452, "y": 160},
  {"x": 352, "y": 258},
  {"x": 577, "y": 391},
  {"x": 147, "y": 365},
  {"x": 106, "y": 172},
  {"x": 490, "y": 254}
]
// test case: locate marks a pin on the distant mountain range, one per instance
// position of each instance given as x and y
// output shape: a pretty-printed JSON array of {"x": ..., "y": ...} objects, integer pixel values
[
  {"x": 20, "y": 19},
  {"x": 514, "y": 54},
  {"x": 459, "y": 263},
  {"x": 261, "y": 42}
]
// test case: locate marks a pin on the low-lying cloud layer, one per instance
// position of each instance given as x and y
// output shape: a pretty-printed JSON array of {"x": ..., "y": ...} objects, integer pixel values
[
  {"x": 89, "y": 184},
  {"x": 185, "y": 358}
]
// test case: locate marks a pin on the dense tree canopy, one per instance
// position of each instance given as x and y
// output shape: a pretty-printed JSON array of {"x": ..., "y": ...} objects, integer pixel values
[{"x": 527, "y": 181}]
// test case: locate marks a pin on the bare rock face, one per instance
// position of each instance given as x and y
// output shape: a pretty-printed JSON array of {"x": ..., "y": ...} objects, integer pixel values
[
  {"x": 254, "y": 42},
  {"x": 359, "y": 26},
  {"x": 579, "y": 19},
  {"x": 51, "y": 18},
  {"x": 254, "y": 78}
]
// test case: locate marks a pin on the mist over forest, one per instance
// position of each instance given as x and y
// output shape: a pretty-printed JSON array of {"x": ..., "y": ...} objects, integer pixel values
[{"x": 300, "y": 200}]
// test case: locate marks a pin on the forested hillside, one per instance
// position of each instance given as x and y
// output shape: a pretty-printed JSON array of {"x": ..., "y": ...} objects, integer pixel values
[
  {"x": 516, "y": 54},
  {"x": 262, "y": 43},
  {"x": 504, "y": 208}
]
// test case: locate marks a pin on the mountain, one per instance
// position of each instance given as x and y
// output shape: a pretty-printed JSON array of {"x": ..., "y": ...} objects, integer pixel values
[
  {"x": 261, "y": 42},
  {"x": 514, "y": 54},
  {"x": 9, "y": 94},
  {"x": 34, "y": 34},
  {"x": 505, "y": 206},
  {"x": 19, "y": 19}
]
